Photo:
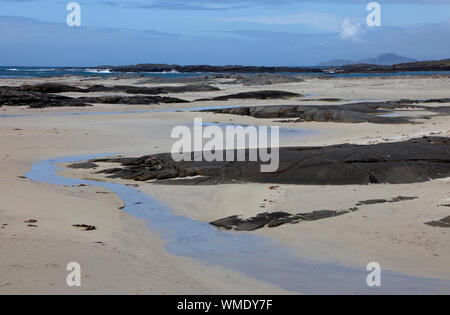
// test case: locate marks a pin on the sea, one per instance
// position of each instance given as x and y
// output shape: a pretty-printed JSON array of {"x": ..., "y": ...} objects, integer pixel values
[{"x": 38, "y": 72}]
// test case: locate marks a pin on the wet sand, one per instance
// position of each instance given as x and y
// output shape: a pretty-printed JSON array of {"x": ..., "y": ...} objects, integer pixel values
[{"x": 132, "y": 258}]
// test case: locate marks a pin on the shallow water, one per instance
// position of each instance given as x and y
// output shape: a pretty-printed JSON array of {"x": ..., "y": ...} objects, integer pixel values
[
  {"x": 200, "y": 108},
  {"x": 39, "y": 72},
  {"x": 286, "y": 135},
  {"x": 46, "y": 72},
  {"x": 392, "y": 114},
  {"x": 253, "y": 255}
]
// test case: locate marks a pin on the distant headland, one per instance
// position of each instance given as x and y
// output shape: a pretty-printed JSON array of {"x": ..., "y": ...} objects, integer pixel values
[{"x": 431, "y": 65}]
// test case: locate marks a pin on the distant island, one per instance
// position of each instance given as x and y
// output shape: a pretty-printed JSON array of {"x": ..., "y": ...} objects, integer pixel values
[
  {"x": 212, "y": 69},
  {"x": 363, "y": 66},
  {"x": 388, "y": 59}
]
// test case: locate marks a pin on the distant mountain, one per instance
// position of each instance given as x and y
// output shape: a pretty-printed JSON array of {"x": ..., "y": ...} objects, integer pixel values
[
  {"x": 382, "y": 60},
  {"x": 387, "y": 60},
  {"x": 430, "y": 65}
]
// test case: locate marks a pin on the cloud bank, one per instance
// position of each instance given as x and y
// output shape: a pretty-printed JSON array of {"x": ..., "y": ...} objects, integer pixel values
[{"x": 32, "y": 42}]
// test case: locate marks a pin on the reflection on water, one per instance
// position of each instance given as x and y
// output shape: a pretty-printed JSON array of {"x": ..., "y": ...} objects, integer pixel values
[{"x": 244, "y": 252}]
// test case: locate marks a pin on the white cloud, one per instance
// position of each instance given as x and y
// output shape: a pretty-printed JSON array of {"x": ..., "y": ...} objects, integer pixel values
[{"x": 350, "y": 30}]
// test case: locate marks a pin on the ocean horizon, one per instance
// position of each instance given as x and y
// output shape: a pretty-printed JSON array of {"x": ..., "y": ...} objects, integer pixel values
[{"x": 46, "y": 71}]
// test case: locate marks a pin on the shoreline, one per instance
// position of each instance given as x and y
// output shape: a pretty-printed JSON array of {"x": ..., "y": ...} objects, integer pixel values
[
  {"x": 303, "y": 269},
  {"x": 132, "y": 259}
]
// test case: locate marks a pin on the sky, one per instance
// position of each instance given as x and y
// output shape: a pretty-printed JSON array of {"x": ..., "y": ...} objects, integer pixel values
[{"x": 219, "y": 32}]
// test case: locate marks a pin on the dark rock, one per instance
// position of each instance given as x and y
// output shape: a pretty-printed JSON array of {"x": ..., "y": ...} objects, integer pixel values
[
  {"x": 86, "y": 227},
  {"x": 109, "y": 171},
  {"x": 262, "y": 95},
  {"x": 371, "y": 202},
  {"x": 234, "y": 78},
  {"x": 211, "y": 69},
  {"x": 37, "y": 96},
  {"x": 322, "y": 214},
  {"x": 84, "y": 165},
  {"x": 440, "y": 224},
  {"x": 416, "y": 160},
  {"x": 434, "y": 65},
  {"x": 138, "y": 100},
  {"x": 60, "y": 88},
  {"x": 377, "y": 201},
  {"x": 274, "y": 219},
  {"x": 50, "y": 88},
  {"x": 153, "y": 90},
  {"x": 402, "y": 198},
  {"x": 346, "y": 113},
  {"x": 166, "y": 174},
  {"x": 330, "y": 99},
  {"x": 11, "y": 96}
]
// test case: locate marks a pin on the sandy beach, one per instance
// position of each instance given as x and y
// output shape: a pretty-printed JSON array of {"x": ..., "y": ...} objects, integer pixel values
[{"x": 124, "y": 256}]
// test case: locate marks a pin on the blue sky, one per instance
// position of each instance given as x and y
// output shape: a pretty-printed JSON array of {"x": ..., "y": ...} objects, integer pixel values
[{"x": 252, "y": 32}]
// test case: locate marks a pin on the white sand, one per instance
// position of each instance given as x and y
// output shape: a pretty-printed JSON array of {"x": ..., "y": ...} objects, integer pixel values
[{"x": 133, "y": 260}]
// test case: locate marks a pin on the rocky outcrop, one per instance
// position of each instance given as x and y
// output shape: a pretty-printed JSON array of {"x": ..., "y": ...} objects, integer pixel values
[
  {"x": 309, "y": 113},
  {"x": 11, "y": 96},
  {"x": 260, "y": 95},
  {"x": 153, "y": 90},
  {"x": 32, "y": 97},
  {"x": 443, "y": 223},
  {"x": 416, "y": 160},
  {"x": 49, "y": 87},
  {"x": 347, "y": 113},
  {"x": 275, "y": 219},
  {"x": 137, "y": 100},
  {"x": 229, "y": 78},
  {"x": 262, "y": 79},
  {"x": 378, "y": 201},
  {"x": 83, "y": 165},
  {"x": 60, "y": 88}
]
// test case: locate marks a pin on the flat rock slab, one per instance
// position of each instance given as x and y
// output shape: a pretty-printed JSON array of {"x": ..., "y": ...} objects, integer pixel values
[
  {"x": 39, "y": 96},
  {"x": 346, "y": 113},
  {"x": 261, "y": 95},
  {"x": 231, "y": 79},
  {"x": 443, "y": 223},
  {"x": 416, "y": 160},
  {"x": 378, "y": 201},
  {"x": 84, "y": 165},
  {"x": 275, "y": 219},
  {"x": 137, "y": 100},
  {"x": 12, "y": 96},
  {"x": 153, "y": 90},
  {"x": 59, "y": 88}
]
